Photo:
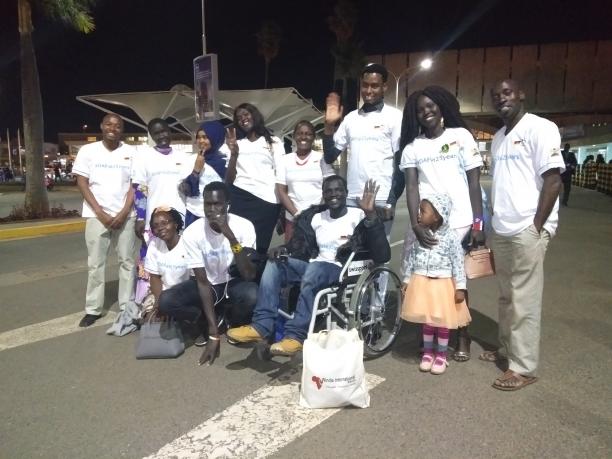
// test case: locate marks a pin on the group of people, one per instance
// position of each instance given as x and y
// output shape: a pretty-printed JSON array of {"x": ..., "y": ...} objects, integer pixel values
[{"x": 206, "y": 219}]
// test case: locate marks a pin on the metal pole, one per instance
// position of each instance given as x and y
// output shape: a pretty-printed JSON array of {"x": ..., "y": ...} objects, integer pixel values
[
  {"x": 397, "y": 80},
  {"x": 203, "y": 30},
  {"x": 8, "y": 145},
  {"x": 19, "y": 152}
]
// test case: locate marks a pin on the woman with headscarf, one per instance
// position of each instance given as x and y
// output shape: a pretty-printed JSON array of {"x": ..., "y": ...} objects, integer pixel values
[
  {"x": 209, "y": 166},
  {"x": 440, "y": 155},
  {"x": 255, "y": 156}
]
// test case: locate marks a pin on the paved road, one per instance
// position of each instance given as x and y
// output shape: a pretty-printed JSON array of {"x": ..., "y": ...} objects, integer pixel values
[
  {"x": 82, "y": 394},
  {"x": 70, "y": 198}
]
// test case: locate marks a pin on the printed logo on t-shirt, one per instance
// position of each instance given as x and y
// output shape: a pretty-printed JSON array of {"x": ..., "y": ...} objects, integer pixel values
[
  {"x": 519, "y": 142},
  {"x": 447, "y": 146},
  {"x": 555, "y": 152}
]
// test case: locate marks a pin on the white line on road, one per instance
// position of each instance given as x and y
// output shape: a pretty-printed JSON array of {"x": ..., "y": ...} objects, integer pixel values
[
  {"x": 47, "y": 330},
  {"x": 393, "y": 244},
  {"x": 255, "y": 427}
]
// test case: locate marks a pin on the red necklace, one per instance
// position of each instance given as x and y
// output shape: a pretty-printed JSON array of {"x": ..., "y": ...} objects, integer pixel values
[{"x": 301, "y": 162}]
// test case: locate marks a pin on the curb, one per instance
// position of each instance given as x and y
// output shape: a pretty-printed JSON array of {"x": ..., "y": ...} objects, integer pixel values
[{"x": 41, "y": 230}]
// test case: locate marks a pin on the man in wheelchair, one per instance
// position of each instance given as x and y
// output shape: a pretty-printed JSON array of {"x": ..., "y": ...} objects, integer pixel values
[{"x": 324, "y": 237}]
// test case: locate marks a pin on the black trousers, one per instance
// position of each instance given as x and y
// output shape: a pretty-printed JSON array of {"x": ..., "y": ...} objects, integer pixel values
[
  {"x": 262, "y": 214},
  {"x": 235, "y": 300}
]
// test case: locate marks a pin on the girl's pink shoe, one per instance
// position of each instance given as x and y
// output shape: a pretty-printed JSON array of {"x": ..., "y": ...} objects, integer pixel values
[
  {"x": 426, "y": 362},
  {"x": 439, "y": 365}
]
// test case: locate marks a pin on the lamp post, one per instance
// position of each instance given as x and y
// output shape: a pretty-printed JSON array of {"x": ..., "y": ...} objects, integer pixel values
[{"x": 425, "y": 64}]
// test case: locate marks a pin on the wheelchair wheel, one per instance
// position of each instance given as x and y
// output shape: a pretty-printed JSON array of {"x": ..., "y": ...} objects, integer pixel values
[{"x": 376, "y": 303}]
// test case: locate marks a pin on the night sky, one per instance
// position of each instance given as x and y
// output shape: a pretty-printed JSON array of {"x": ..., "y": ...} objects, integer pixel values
[{"x": 141, "y": 45}]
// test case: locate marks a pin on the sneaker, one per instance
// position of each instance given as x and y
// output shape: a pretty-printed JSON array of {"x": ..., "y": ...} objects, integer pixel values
[
  {"x": 426, "y": 362},
  {"x": 286, "y": 346},
  {"x": 439, "y": 365},
  {"x": 88, "y": 320},
  {"x": 201, "y": 340},
  {"x": 244, "y": 334}
]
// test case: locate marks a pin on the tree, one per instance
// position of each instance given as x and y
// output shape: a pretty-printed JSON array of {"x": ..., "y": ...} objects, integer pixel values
[
  {"x": 348, "y": 56},
  {"x": 75, "y": 13},
  {"x": 268, "y": 44}
]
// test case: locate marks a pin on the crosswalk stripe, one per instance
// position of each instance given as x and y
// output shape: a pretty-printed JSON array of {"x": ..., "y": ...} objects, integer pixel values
[
  {"x": 254, "y": 427},
  {"x": 47, "y": 330}
]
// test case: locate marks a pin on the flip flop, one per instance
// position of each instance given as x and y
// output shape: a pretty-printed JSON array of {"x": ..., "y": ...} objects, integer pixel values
[
  {"x": 491, "y": 356},
  {"x": 511, "y": 381}
]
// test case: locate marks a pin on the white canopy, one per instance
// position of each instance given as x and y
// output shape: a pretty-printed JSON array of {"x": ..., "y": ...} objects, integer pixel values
[{"x": 281, "y": 108}]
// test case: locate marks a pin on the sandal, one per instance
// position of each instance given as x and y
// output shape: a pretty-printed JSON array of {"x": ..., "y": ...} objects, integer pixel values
[
  {"x": 492, "y": 356},
  {"x": 511, "y": 381}
]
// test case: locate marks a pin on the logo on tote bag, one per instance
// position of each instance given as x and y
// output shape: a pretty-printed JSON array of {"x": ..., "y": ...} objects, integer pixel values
[
  {"x": 318, "y": 381},
  {"x": 335, "y": 382}
]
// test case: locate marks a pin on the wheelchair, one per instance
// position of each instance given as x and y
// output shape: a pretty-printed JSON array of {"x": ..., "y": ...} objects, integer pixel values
[{"x": 365, "y": 297}]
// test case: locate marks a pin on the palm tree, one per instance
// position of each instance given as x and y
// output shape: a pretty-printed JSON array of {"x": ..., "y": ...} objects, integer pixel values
[
  {"x": 348, "y": 56},
  {"x": 268, "y": 44},
  {"x": 76, "y": 14}
]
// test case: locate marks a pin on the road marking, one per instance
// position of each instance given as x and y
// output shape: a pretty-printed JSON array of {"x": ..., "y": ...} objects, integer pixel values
[
  {"x": 49, "y": 329},
  {"x": 393, "y": 244},
  {"x": 255, "y": 427},
  {"x": 50, "y": 272},
  {"x": 27, "y": 232}
]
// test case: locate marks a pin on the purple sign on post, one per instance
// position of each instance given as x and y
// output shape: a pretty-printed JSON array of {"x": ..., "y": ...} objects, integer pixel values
[{"x": 205, "y": 81}]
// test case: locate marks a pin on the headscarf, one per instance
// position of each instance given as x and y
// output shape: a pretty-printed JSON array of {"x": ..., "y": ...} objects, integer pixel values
[{"x": 213, "y": 157}]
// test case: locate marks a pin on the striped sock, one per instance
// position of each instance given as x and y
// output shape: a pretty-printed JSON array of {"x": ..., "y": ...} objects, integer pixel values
[
  {"x": 443, "y": 334},
  {"x": 428, "y": 336}
]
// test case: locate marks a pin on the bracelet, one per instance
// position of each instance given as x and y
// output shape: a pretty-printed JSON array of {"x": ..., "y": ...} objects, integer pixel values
[
  {"x": 236, "y": 248},
  {"x": 478, "y": 224},
  {"x": 214, "y": 338}
]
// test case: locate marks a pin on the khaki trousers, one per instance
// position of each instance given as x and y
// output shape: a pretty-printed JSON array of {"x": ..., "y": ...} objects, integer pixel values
[
  {"x": 519, "y": 262},
  {"x": 99, "y": 239}
]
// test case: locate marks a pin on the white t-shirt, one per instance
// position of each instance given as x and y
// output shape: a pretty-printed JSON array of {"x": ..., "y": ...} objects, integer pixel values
[
  {"x": 208, "y": 249},
  {"x": 256, "y": 166},
  {"x": 162, "y": 174},
  {"x": 171, "y": 265},
  {"x": 331, "y": 233},
  {"x": 195, "y": 204},
  {"x": 108, "y": 173},
  {"x": 518, "y": 161},
  {"x": 303, "y": 178},
  {"x": 372, "y": 138},
  {"x": 442, "y": 164}
]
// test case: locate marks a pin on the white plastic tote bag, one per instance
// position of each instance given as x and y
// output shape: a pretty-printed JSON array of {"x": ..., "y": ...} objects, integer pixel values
[{"x": 333, "y": 374}]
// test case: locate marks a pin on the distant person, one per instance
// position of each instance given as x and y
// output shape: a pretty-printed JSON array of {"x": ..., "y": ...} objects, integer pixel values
[
  {"x": 589, "y": 173},
  {"x": 213, "y": 295},
  {"x": 372, "y": 134},
  {"x": 570, "y": 169},
  {"x": 526, "y": 158},
  {"x": 209, "y": 165},
  {"x": 103, "y": 178},
  {"x": 435, "y": 296},
  {"x": 600, "y": 159},
  {"x": 255, "y": 155},
  {"x": 58, "y": 173},
  {"x": 300, "y": 175}
]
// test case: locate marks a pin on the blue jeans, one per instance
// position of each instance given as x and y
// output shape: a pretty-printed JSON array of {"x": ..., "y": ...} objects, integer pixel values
[{"x": 312, "y": 278}]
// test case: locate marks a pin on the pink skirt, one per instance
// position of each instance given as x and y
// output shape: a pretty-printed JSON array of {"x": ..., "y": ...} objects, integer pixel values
[{"x": 431, "y": 301}]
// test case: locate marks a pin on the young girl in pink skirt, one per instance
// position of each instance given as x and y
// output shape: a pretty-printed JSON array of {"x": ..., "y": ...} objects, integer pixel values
[{"x": 435, "y": 295}]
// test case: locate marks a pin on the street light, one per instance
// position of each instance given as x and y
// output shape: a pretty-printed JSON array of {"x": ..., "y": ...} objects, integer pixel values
[{"x": 425, "y": 64}]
